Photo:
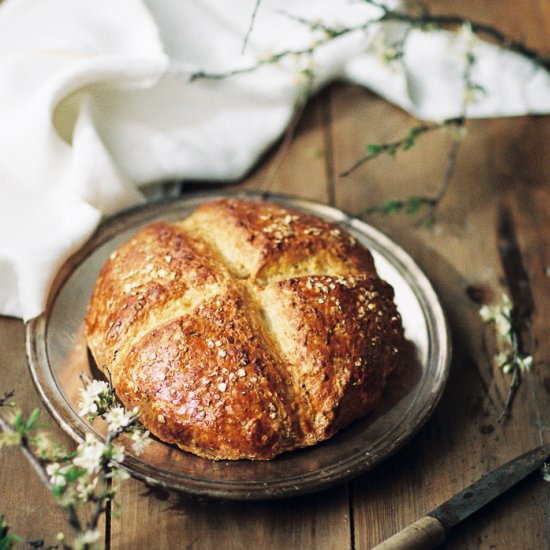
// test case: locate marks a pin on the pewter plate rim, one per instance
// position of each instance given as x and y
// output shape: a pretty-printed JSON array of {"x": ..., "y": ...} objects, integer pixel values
[{"x": 435, "y": 368}]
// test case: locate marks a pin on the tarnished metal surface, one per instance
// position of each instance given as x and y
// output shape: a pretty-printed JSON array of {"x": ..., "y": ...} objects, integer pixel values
[{"x": 489, "y": 487}]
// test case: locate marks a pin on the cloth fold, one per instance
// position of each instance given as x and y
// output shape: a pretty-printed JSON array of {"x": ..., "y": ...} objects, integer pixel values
[{"x": 97, "y": 100}]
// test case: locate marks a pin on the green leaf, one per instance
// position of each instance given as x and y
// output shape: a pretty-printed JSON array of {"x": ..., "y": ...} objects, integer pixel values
[
  {"x": 31, "y": 421},
  {"x": 413, "y": 205},
  {"x": 375, "y": 149},
  {"x": 74, "y": 473},
  {"x": 478, "y": 88},
  {"x": 410, "y": 140},
  {"x": 392, "y": 206},
  {"x": 18, "y": 422},
  {"x": 7, "y": 541}
]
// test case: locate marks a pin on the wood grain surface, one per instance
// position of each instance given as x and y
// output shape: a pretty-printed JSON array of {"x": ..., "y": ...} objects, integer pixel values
[{"x": 490, "y": 236}]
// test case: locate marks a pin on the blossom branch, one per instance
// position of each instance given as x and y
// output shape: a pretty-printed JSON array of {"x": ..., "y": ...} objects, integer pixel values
[
  {"x": 328, "y": 35},
  {"x": 88, "y": 474},
  {"x": 392, "y": 148},
  {"x": 412, "y": 204},
  {"x": 427, "y": 21},
  {"x": 510, "y": 357}
]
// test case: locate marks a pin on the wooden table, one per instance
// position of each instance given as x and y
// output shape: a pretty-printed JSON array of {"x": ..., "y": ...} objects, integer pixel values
[{"x": 491, "y": 235}]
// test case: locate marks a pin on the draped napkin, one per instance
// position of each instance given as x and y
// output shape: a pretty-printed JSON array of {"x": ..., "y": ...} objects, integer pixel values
[{"x": 97, "y": 100}]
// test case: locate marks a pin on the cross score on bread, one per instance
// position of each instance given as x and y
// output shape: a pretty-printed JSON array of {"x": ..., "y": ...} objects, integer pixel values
[{"x": 245, "y": 330}]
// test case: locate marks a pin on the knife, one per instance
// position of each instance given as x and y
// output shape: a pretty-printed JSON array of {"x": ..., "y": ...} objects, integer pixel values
[{"x": 431, "y": 530}]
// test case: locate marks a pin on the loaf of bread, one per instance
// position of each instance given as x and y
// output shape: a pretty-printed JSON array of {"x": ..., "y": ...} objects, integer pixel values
[{"x": 245, "y": 330}]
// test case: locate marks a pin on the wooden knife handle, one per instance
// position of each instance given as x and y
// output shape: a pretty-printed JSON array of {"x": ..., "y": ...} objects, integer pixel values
[{"x": 423, "y": 534}]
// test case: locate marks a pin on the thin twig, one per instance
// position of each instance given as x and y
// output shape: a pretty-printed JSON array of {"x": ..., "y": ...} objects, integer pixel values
[
  {"x": 330, "y": 34},
  {"x": 445, "y": 181},
  {"x": 392, "y": 147},
  {"x": 5, "y": 397},
  {"x": 101, "y": 500},
  {"x": 410, "y": 204},
  {"x": 250, "y": 26},
  {"x": 517, "y": 346},
  {"x": 512, "y": 390}
]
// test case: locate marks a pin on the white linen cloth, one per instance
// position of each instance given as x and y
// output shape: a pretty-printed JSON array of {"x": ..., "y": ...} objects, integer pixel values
[{"x": 96, "y": 101}]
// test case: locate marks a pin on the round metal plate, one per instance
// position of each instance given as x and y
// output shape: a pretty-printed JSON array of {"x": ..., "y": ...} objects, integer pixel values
[{"x": 57, "y": 355}]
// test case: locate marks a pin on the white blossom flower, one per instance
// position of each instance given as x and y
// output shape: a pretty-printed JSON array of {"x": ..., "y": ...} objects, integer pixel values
[
  {"x": 487, "y": 313},
  {"x": 119, "y": 474},
  {"x": 501, "y": 315},
  {"x": 57, "y": 474},
  {"x": 467, "y": 36},
  {"x": 509, "y": 357},
  {"x": 87, "y": 404},
  {"x": 89, "y": 454},
  {"x": 85, "y": 487},
  {"x": 503, "y": 325},
  {"x": 116, "y": 453},
  {"x": 502, "y": 358},
  {"x": 90, "y": 397},
  {"x": 140, "y": 440},
  {"x": 97, "y": 387},
  {"x": 43, "y": 445},
  {"x": 525, "y": 363},
  {"x": 118, "y": 418},
  {"x": 89, "y": 537}
]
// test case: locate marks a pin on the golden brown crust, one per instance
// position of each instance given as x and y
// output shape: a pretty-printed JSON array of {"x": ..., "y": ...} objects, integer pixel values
[
  {"x": 341, "y": 336},
  {"x": 245, "y": 330},
  {"x": 263, "y": 241}
]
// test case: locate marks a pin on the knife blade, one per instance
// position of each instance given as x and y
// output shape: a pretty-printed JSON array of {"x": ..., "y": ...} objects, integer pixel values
[{"x": 431, "y": 530}]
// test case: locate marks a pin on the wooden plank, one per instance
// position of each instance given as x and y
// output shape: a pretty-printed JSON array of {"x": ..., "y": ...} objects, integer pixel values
[
  {"x": 502, "y": 166},
  {"x": 163, "y": 519},
  {"x": 168, "y": 519},
  {"x": 463, "y": 440},
  {"x": 297, "y": 163}
]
